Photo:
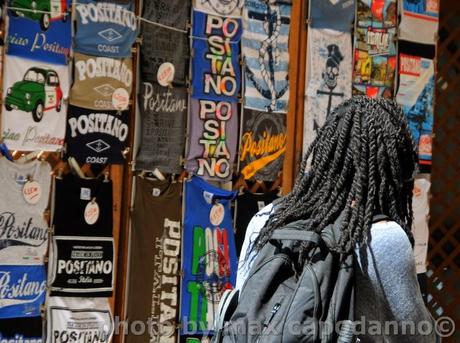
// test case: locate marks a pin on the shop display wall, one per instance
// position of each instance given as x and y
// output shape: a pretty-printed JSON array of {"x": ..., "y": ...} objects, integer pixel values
[{"x": 198, "y": 112}]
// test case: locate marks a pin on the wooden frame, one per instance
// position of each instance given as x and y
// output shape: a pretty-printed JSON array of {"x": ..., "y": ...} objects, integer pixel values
[{"x": 297, "y": 70}]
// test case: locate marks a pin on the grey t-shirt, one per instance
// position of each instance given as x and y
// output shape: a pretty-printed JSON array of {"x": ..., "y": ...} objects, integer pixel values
[
  {"x": 386, "y": 283},
  {"x": 23, "y": 229}
]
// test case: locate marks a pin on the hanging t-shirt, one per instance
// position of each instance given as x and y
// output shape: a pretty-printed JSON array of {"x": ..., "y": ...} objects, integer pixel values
[
  {"x": 266, "y": 54},
  {"x": 419, "y": 21},
  {"x": 159, "y": 44},
  {"x": 226, "y": 8},
  {"x": 105, "y": 28},
  {"x": 82, "y": 207},
  {"x": 21, "y": 330},
  {"x": 420, "y": 230},
  {"x": 22, "y": 290},
  {"x": 40, "y": 36},
  {"x": 25, "y": 194},
  {"x": 213, "y": 135},
  {"x": 216, "y": 73},
  {"x": 175, "y": 13},
  {"x": 163, "y": 117},
  {"x": 262, "y": 145},
  {"x": 247, "y": 205},
  {"x": 101, "y": 83},
  {"x": 332, "y": 14},
  {"x": 416, "y": 97},
  {"x": 375, "y": 48},
  {"x": 329, "y": 63},
  {"x": 154, "y": 265},
  {"x": 209, "y": 262},
  {"x": 97, "y": 137},
  {"x": 34, "y": 106},
  {"x": 85, "y": 320},
  {"x": 81, "y": 266}
]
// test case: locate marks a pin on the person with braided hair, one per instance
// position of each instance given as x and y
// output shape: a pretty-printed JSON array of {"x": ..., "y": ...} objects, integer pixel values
[{"x": 361, "y": 164}]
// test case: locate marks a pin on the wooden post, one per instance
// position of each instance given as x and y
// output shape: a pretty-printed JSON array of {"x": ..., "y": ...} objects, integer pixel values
[
  {"x": 126, "y": 177},
  {"x": 297, "y": 55}
]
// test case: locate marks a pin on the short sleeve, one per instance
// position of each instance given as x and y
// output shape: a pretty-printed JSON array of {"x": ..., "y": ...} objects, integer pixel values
[{"x": 255, "y": 225}]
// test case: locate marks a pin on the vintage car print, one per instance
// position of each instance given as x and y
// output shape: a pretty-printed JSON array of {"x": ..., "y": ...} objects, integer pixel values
[
  {"x": 38, "y": 92},
  {"x": 45, "y": 11}
]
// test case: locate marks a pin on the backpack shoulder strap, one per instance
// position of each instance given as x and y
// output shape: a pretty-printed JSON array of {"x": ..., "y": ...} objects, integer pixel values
[
  {"x": 295, "y": 235},
  {"x": 295, "y": 231}
]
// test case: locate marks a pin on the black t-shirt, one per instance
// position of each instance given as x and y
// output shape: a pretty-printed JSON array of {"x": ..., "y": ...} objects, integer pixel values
[
  {"x": 82, "y": 252},
  {"x": 247, "y": 205},
  {"x": 96, "y": 137},
  {"x": 71, "y": 198}
]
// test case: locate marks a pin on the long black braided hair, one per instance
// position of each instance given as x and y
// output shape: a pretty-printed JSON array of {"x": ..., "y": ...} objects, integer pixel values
[{"x": 362, "y": 162}]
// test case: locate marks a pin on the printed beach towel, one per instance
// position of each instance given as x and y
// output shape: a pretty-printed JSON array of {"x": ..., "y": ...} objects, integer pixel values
[
  {"x": 329, "y": 63},
  {"x": 266, "y": 57}
]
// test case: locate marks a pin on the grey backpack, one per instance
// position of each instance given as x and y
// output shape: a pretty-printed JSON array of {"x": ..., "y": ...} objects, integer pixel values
[{"x": 285, "y": 301}]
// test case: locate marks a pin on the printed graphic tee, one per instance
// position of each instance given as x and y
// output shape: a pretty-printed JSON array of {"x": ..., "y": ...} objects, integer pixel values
[
  {"x": 247, "y": 205},
  {"x": 23, "y": 290},
  {"x": 160, "y": 45},
  {"x": 156, "y": 234},
  {"x": 209, "y": 261},
  {"x": 79, "y": 317},
  {"x": 40, "y": 36},
  {"x": 81, "y": 266},
  {"x": 213, "y": 135},
  {"x": 163, "y": 117},
  {"x": 34, "y": 106},
  {"x": 82, "y": 253},
  {"x": 105, "y": 28},
  {"x": 74, "y": 202},
  {"x": 262, "y": 145},
  {"x": 25, "y": 195},
  {"x": 97, "y": 137},
  {"x": 101, "y": 83},
  {"x": 216, "y": 73},
  {"x": 22, "y": 330}
]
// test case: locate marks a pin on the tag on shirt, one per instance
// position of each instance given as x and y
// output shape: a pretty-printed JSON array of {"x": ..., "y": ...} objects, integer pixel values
[
  {"x": 208, "y": 196},
  {"x": 216, "y": 215},
  {"x": 261, "y": 205},
  {"x": 91, "y": 212},
  {"x": 156, "y": 192},
  {"x": 32, "y": 192},
  {"x": 85, "y": 193},
  {"x": 21, "y": 179}
]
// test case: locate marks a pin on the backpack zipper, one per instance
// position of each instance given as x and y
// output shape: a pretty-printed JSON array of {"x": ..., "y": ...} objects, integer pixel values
[{"x": 268, "y": 320}]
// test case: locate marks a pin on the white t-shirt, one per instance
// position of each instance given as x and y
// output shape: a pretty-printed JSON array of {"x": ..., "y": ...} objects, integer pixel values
[{"x": 23, "y": 228}]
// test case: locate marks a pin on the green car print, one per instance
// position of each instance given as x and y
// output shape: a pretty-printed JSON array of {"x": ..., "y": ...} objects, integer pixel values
[
  {"x": 45, "y": 11},
  {"x": 38, "y": 92}
]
